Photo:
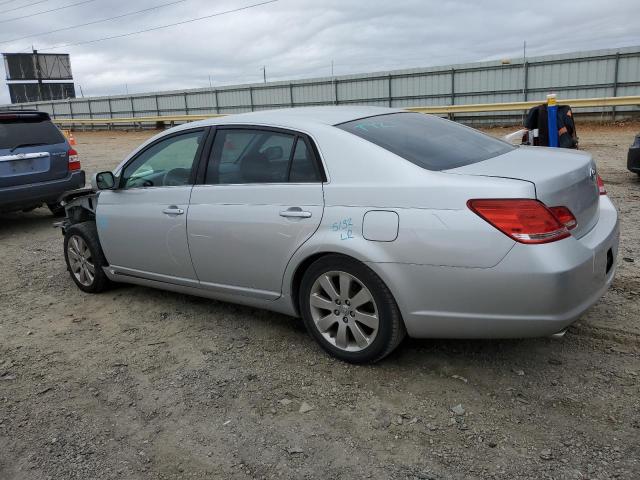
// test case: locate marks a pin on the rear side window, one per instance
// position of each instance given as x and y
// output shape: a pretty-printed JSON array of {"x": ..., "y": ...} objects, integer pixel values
[
  {"x": 427, "y": 141},
  {"x": 17, "y": 131},
  {"x": 240, "y": 156}
]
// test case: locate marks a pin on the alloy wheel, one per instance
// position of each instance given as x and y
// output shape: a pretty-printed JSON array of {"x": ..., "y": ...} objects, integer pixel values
[
  {"x": 81, "y": 260},
  {"x": 344, "y": 311}
]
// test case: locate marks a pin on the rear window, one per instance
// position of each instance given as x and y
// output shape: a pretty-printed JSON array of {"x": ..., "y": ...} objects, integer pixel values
[
  {"x": 16, "y": 130},
  {"x": 429, "y": 142}
]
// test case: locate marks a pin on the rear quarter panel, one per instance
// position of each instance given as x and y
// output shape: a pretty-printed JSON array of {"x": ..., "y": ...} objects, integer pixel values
[{"x": 435, "y": 227}]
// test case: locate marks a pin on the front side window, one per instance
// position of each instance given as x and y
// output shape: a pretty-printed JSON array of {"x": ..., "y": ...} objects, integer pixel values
[
  {"x": 427, "y": 141},
  {"x": 240, "y": 156},
  {"x": 167, "y": 163}
]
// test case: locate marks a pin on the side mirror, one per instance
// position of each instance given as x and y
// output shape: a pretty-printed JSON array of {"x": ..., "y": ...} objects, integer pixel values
[{"x": 103, "y": 181}]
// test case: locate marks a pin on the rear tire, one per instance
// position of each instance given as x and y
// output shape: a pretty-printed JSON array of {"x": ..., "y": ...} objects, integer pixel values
[
  {"x": 84, "y": 258},
  {"x": 349, "y": 310}
]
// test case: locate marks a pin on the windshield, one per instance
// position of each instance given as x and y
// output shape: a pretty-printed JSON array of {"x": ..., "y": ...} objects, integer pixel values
[
  {"x": 20, "y": 131},
  {"x": 427, "y": 141}
]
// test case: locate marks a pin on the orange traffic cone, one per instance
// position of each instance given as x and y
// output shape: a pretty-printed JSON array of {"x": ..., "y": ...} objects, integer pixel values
[{"x": 72, "y": 140}]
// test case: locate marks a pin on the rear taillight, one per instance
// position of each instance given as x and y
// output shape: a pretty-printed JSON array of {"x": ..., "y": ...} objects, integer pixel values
[
  {"x": 564, "y": 215},
  {"x": 524, "y": 220},
  {"x": 601, "y": 189},
  {"x": 74, "y": 161}
]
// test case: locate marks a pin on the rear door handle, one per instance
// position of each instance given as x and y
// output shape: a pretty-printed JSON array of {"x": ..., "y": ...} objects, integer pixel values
[
  {"x": 295, "y": 212},
  {"x": 173, "y": 210}
]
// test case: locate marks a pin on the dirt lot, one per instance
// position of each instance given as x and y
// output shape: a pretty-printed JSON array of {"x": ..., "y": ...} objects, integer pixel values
[{"x": 138, "y": 383}]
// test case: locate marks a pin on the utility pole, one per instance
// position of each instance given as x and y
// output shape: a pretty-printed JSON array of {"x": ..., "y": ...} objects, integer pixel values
[
  {"x": 264, "y": 73},
  {"x": 210, "y": 83},
  {"x": 81, "y": 92},
  {"x": 126, "y": 88},
  {"x": 332, "y": 68}
]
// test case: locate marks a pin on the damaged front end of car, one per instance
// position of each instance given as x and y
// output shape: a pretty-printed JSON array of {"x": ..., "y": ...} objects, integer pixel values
[{"x": 79, "y": 205}]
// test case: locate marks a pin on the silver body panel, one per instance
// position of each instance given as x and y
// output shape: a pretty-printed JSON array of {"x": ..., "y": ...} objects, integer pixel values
[
  {"x": 451, "y": 273},
  {"x": 561, "y": 177},
  {"x": 242, "y": 241},
  {"x": 137, "y": 235}
]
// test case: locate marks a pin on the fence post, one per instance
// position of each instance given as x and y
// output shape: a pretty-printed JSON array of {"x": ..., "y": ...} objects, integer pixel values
[
  {"x": 71, "y": 112},
  {"x": 133, "y": 112},
  {"x": 335, "y": 91},
  {"x": 110, "y": 112},
  {"x": 215, "y": 94},
  {"x": 615, "y": 84},
  {"x": 453, "y": 92},
  {"x": 186, "y": 104},
  {"x": 251, "y": 97},
  {"x": 157, "y": 106},
  {"x": 90, "y": 112},
  {"x": 389, "y": 78},
  {"x": 291, "y": 103},
  {"x": 525, "y": 88}
]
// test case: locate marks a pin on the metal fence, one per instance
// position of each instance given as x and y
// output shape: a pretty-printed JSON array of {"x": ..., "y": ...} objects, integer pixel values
[{"x": 602, "y": 73}]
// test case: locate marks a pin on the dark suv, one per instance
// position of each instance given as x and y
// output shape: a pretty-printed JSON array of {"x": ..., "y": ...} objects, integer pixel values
[{"x": 37, "y": 164}]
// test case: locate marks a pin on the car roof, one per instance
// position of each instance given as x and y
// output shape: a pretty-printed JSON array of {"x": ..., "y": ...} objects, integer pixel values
[{"x": 297, "y": 117}]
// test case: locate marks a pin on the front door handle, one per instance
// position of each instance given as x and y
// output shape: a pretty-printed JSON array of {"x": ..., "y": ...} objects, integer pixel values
[
  {"x": 173, "y": 210},
  {"x": 295, "y": 212}
]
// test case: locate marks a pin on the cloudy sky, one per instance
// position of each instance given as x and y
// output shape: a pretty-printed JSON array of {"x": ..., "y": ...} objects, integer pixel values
[{"x": 298, "y": 38}]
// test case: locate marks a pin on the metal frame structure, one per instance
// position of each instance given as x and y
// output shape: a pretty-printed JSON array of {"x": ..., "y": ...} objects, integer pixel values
[
  {"x": 471, "y": 92},
  {"x": 436, "y": 110}
]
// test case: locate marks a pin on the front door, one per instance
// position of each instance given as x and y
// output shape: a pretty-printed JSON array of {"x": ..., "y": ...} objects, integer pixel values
[
  {"x": 143, "y": 224},
  {"x": 261, "y": 200}
]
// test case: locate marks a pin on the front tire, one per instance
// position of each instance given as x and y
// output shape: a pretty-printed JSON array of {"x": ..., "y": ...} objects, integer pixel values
[
  {"x": 84, "y": 257},
  {"x": 349, "y": 310}
]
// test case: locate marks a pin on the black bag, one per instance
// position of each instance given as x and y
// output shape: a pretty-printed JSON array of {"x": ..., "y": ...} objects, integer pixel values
[{"x": 537, "y": 119}]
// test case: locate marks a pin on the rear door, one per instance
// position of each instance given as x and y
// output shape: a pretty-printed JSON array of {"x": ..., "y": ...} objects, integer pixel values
[
  {"x": 260, "y": 200},
  {"x": 32, "y": 150}
]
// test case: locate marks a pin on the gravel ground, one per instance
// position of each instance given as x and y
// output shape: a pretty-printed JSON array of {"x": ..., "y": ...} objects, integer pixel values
[{"x": 139, "y": 383}]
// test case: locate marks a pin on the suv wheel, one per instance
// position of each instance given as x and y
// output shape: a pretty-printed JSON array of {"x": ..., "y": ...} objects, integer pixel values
[
  {"x": 84, "y": 257},
  {"x": 349, "y": 310}
]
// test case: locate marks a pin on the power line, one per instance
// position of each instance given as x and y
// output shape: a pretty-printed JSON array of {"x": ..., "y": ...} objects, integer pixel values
[
  {"x": 160, "y": 26},
  {"x": 7, "y": 1},
  {"x": 22, "y": 6},
  {"x": 93, "y": 22},
  {"x": 47, "y": 11}
]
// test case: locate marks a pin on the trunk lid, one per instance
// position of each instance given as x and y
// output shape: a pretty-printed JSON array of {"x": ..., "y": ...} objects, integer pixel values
[
  {"x": 561, "y": 178},
  {"x": 32, "y": 149}
]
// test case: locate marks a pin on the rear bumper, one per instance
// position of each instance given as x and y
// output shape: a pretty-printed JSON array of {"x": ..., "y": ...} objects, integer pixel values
[
  {"x": 536, "y": 290},
  {"x": 25, "y": 196}
]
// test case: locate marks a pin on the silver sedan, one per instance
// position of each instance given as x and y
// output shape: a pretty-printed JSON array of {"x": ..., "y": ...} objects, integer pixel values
[{"x": 369, "y": 223}]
